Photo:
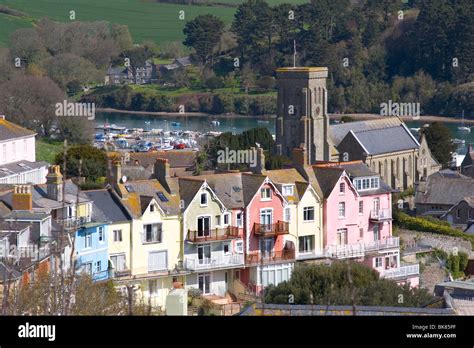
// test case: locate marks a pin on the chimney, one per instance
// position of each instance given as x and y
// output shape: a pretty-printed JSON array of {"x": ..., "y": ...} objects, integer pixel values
[
  {"x": 22, "y": 198},
  {"x": 162, "y": 171},
  {"x": 54, "y": 183},
  {"x": 299, "y": 156},
  {"x": 116, "y": 171},
  {"x": 259, "y": 167}
]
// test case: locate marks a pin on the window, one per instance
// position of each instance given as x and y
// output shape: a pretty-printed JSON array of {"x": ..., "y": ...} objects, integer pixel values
[
  {"x": 70, "y": 211},
  {"x": 152, "y": 208},
  {"x": 4, "y": 153},
  {"x": 157, "y": 261},
  {"x": 204, "y": 254},
  {"x": 376, "y": 205},
  {"x": 101, "y": 233},
  {"x": 288, "y": 190},
  {"x": 88, "y": 240},
  {"x": 118, "y": 262},
  {"x": 361, "y": 207},
  {"x": 361, "y": 232},
  {"x": 458, "y": 213},
  {"x": 306, "y": 244},
  {"x": 308, "y": 214},
  {"x": 378, "y": 262},
  {"x": 266, "y": 247},
  {"x": 342, "y": 209},
  {"x": 88, "y": 268},
  {"x": 204, "y": 199},
  {"x": 25, "y": 147},
  {"x": 266, "y": 217},
  {"x": 226, "y": 218},
  {"x": 287, "y": 214},
  {"x": 342, "y": 188},
  {"x": 218, "y": 220},
  {"x": 341, "y": 236},
  {"x": 239, "y": 220},
  {"x": 265, "y": 193},
  {"x": 99, "y": 266},
  {"x": 367, "y": 183},
  {"x": 152, "y": 233},
  {"x": 117, "y": 235},
  {"x": 226, "y": 248},
  {"x": 225, "y": 277},
  {"x": 239, "y": 247}
]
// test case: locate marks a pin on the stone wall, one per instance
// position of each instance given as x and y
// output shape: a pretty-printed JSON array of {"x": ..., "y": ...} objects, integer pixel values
[{"x": 438, "y": 241}]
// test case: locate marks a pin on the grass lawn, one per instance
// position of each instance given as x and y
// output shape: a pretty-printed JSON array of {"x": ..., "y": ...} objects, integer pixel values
[
  {"x": 8, "y": 24},
  {"x": 46, "y": 150}
]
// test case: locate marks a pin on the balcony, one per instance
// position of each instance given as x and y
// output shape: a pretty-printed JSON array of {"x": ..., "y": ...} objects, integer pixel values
[
  {"x": 216, "y": 234},
  {"x": 268, "y": 230},
  {"x": 345, "y": 251},
  {"x": 257, "y": 257},
  {"x": 381, "y": 215},
  {"x": 402, "y": 271},
  {"x": 120, "y": 273},
  {"x": 387, "y": 243},
  {"x": 193, "y": 263},
  {"x": 74, "y": 222}
]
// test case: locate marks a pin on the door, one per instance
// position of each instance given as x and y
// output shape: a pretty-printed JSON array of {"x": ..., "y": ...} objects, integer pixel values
[
  {"x": 266, "y": 247},
  {"x": 376, "y": 233},
  {"x": 204, "y": 254},
  {"x": 204, "y": 283},
  {"x": 204, "y": 226},
  {"x": 266, "y": 219},
  {"x": 376, "y": 207}
]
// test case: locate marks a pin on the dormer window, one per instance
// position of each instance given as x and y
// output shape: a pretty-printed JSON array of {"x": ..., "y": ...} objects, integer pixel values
[
  {"x": 265, "y": 194},
  {"x": 203, "y": 199},
  {"x": 362, "y": 184},
  {"x": 288, "y": 190}
]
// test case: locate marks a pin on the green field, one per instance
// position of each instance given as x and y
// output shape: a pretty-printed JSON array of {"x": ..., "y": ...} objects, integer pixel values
[
  {"x": 146, "y": 20},
  {"x": 47, "y": 151}
]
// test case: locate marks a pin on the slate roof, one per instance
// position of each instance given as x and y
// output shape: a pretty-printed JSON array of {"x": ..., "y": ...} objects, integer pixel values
[
  {"x": 184, "y": 61},
  {"x": 106, "y": 206},
  {"x": 386, "y": 140},
  {"x": 288, "y": 176},
  {"x": 188, "y": 188},
  {"x": 327, "y": 178},
  {"x": 20, "y": 167},
  {"x": 116, "y": 71},
  {"x": 176, "y": 158},
  {"x": 445, "y": 188},
  {"x": 228, "y": 188},
  {"x": 140, "y": 190},
  {"x": 10, "y": 130},
  {"x": 250, "y": 185},
  {"x": 337, "y": 132}
]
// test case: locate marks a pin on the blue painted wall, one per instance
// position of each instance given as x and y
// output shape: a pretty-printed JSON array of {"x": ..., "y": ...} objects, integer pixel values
[{"x": 97, "y": 254}]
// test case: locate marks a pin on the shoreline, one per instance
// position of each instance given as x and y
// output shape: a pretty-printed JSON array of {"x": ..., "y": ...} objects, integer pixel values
[{"x": 423, "y": 118}]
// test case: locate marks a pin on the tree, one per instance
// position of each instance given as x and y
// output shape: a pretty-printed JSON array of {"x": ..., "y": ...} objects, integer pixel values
[
  {"x": 30, "y": 102},
  {"x": 214, "y": 83},
  {"x": 203, "y": 33},
  {"x": 439, "y": 139},
  {"x": 344, "y": 283},
  {"x": 26, "y": 45},
  {"x": 83, "y": 160}
]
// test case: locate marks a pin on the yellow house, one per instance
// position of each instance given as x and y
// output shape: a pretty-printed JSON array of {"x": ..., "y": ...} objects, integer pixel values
[
  {"x": 213, "y": 244},
  {"x": 155, "y": 242}
]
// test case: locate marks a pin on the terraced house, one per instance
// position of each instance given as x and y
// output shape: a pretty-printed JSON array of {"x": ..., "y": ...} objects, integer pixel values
[
  {"x": 213, "y": 241},
  {"x": 155, "y": 243}
]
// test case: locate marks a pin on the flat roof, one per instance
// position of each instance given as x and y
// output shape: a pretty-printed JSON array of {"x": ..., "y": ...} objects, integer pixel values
[{"x": 302, "y": 69}]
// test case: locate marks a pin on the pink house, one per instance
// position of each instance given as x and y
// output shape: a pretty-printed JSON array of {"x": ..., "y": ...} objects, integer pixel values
[
  {"x": 357, "y": 219},
  {"x": 269, "y": 256}
]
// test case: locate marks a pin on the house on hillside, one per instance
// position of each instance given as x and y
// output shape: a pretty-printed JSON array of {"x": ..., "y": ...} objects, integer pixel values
[{"x": 137, "y": 75}]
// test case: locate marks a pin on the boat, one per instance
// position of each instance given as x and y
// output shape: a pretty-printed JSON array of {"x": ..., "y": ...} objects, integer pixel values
[
  {"x": 459, "y": 141},
  {"x": 215, "y": 123},
  {"x": 416, "y": 130},
  {"x": 263, "y": 121},
  {"x": 462, "y": 127},
  {"x": 176, "y": 124}
]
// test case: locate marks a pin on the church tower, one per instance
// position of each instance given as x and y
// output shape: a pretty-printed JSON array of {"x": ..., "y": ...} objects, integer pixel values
[{"x": 302, "y": 119}]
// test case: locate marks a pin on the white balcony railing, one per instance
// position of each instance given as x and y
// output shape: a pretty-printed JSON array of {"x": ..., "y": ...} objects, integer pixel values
[
  {"x": 74, "y": 222},
  {"x": 402, "y": 271},
  {"x": 345, "y": 251},
  {"x": 381, "y": 214},
  {"x": 193, "y": 263},
  {"x": 387, "y": 243}
]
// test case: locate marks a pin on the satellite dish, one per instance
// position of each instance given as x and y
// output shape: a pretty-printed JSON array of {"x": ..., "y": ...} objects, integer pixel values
[{"x": 124, "y": 179}]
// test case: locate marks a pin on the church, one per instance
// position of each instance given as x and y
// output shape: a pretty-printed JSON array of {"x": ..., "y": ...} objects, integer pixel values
[{"x": 385, "y": 144}]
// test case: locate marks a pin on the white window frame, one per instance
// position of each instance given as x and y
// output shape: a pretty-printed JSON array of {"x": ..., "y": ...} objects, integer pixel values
[
  {"x": 227, "y": 216},
  {"x": 229, "y": 248},
  {"x": 101, "y": 234},
  {"x": 118, "y": 233},
  {"x": 307, "y": 209},
  {"x": 239, "y": 247},
  {"x": 288, "y": 190},
  {"x": 159, "y": 234},
  {"x": 378, "y": 262},
  {"x": 87, "y": 240},
  {"x": 361, "y": 207},
  {"x": 265, "y": 197},
  {"x": 238, "y": 219},
  {"x": 287, "y": 214},
  {"x": 98, "y": 267},
  {"x": 341, "y": 208},
  {"x": 342, "y": 188}
]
